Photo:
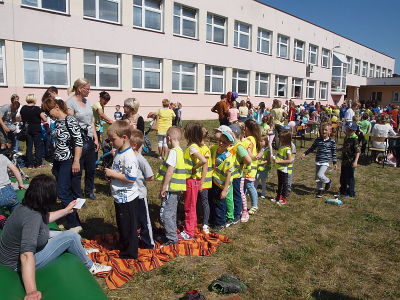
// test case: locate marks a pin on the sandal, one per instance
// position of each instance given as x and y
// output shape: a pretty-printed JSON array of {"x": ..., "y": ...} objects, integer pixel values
[{"x": 253, "y": 210}]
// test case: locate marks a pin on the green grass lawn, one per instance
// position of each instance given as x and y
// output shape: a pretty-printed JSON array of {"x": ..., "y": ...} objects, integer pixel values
[{"x": 306, "y": 249}]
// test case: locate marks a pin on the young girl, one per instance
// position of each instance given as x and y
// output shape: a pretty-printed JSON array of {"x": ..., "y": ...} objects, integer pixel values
[
  {"x": 270, "y": 126},
  {"x": 243, "y": 111},
  {"x": 245, "y": 213},
  {"x": 283, "y": 162},
  {"x": 233, "y": 113},
  {"x": 263, "y": 165},
  {"x": 194, "y": 160},
  {"x": 252, "y": 144}
]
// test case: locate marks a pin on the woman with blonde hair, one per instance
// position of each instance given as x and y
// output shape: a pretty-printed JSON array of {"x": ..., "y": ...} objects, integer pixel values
[
  {"x": 279, "y": 116},
  {"x": 33, "y": 115},
  {"x": 80, "y": 108},
  {"x": 165, "y": 117},
  {"x": 131, "y": 108}
]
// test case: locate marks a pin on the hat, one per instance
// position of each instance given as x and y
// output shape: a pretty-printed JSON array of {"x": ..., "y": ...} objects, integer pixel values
[
  {"x": 229, "y": 135},
  {"x": 222, "y": 128},
  {"x": 351, "y": 125},
  {"x": 285, "y": 127},
  {"x": 235, "y": 129}
]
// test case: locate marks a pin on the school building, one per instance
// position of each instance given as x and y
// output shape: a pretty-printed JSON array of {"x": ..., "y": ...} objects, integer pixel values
[{"x": 188, "y": 51}]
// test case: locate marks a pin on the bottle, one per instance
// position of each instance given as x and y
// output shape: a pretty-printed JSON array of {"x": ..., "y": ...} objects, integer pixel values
[{"x": 335, "y": 201}]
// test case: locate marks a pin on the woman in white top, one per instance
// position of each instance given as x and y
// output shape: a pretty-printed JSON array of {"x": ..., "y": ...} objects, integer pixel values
[
  {"x": 350, "y": 114},
  {"x": 243, "y": 111},
  {"x": 382, "y": 129},
  {"x": 261, "y": 113}
]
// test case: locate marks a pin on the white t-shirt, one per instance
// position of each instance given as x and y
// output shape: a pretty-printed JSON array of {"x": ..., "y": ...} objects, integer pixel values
[
  {"x": 125, "y": 162},
  {"x": 172, "y": 159},
  {"x": 347, "y": 117}
]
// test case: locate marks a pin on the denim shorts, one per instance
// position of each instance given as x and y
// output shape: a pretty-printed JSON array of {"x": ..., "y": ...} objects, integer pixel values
[{"x": 8, "y": 197}]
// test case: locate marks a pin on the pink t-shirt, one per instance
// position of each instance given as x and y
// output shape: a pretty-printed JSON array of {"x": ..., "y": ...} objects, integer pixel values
[{"x": 233, "y": 114}]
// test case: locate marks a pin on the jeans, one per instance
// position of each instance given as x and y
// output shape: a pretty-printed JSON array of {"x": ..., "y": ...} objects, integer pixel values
[
  {"x": 146, "y": 230},
  {"x": 237, "y": 198},
  {"x": 34, "y": 138},
  {"x": 203, "y": 196},
  {"x": 217, "y": 207},
  {"x": 263, "y": 184},
  {"x": 68, "y": 241},
  {"x": 278, "y": 130},
  {"x": 8, "y": 198},
  {"x": 249, "y": 187},
  {"x": 347, "y": 181},
  {"x": 169, "y": 206},
  {"x": 320, "y": 177},
  {"x": 192, "y": 190},
  {"x": 88, "y": 164},
  {"x": 62, "y": 170}
]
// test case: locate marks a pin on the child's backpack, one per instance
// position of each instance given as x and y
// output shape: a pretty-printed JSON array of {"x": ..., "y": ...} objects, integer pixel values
[{"x": 146, "y": 145}]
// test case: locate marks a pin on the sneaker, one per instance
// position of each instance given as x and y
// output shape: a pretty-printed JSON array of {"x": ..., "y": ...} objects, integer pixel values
[
  {"x": 276, "y": 199},
  {"x": 231, "y": 278},
  {"x": 253, "y": 210},
  {"x": 281, "y": 202},
  {"x": 262, "y": 197},
  {"x": 90, "y": 250},
  {"x": 206, "y": 229},
  {"x": 98, "y": 268},
  {"x": 245, "y": 216},
  {"x": 228, "y": 223},
  {"x": 160, "y": 157},
  {"x": 328, "y": 185},
  {"x": 30, "y": 168},
  {"x": 18, "y": 153},
  {"x": 194, "y": 295},
  {"x": 169, "y": 242},
  {"x": 184, "y": 236},
  {"x": 223, "y": 287},
  {"x": 236, "y": 220},
  {"x": 320, "y": 193},
  {"x": 217, "y": 228},
  {"x": 92, "y": 196},
  {"x": 77, "y": 229},
  {"x": 162, "y": 239},
  {"x": 40, "y": 167}
]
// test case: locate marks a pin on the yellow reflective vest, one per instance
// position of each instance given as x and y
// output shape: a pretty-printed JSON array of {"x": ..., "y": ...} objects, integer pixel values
[
  {"x": 237, "y": 167},
  {"x": 261, "y": 168},
  {"x": 178, "y": 179},
  {"x": 250, "y": 171},
  {"x": 219, "y": 173},
  {"x": 282, "y": 155},
  {"x": 205, "y": 151},
  {"x": 190, "y": 164}
]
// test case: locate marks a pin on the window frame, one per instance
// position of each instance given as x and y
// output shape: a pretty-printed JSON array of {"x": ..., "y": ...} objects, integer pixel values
[
  {"x": 383, "y": 72},
  {"x": 239, "y": 33},
  {"x": 294, "y": 85},
  {"x": 376, "y": 96},
  {"x": 390, "y": 74},
  {"x": 328, "y": 58},
  {"x": 398, "y": 96},
  {"x": 107, "y": 66},
  {"x": 295, "y": 49},
  {"x": 357, "y": 63},
  {"x": 67, "y": 7},
  {"x": 277, "y": 83},
  {"x": 309, "y": 87},
  {"x": 195, "y": 20},
  {"x": 180, "y": 72},
  {"x": 260, "y": 38},
  {"x": 211, "y": 75},
  {"x": 278, "y": 43},
  {"x": 217, "y": 26},
  {"x": 378, "y": 71},
  {"x": 342, "y": 76},
  {"x": 371, "y": 71},
  {"x": 146, "y": 8},
  {"x": 3, "y": 65},
  {"x": 322, "y": 89},
  {"x": 144, "y": 70},
  {"x": 258, "y": 82},
  {"x": 312, "y": 52},
  {"x": 364, "y": 68},
  {"x": 349, "y": 64},
  {"x": 235, "y": 73},
  {"x": 46, "y": 60}
]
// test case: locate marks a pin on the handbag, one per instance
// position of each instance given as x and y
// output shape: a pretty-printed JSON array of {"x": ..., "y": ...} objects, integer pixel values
[
  {"x": 22, "y": 136},
  {"x": 88, "y": 143},
  {"x": 154, "y": 127}
]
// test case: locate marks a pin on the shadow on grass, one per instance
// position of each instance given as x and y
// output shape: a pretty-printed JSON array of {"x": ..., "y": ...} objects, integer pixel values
[
  {"x": 96, "y": 226},
  {"x": 326, "y": 295},
  {"x": 301, "y": 189}
]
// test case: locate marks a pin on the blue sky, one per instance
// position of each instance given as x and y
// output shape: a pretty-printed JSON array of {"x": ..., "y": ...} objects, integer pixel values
[{"x": 373, "y": 23}]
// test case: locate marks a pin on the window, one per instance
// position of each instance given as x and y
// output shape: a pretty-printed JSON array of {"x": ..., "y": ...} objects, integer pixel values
[
  {"x": 371, "y": 70},
  {"x": 264, "y": 38},
  {"x": 376, "y": 96},
  {"x": 215, "y": 80},
  {"x": 364, "y": 68},
  {"x": 395, "y": 97},
  {"x": 2, "y": 64},
  {"x": 216, "y": 29},
  {"x": 325, "y": 62},
  {"x": 383, "y": 72},
  {"x": 185, "y": 21},
  {"x": 183, "y": 77},
  {"x": 146, "y": 73},
  {"x": 280, "y": 86},
  {"x": 310, "y": 93},
  {"x": 298, "y": 54},
  {"x": 59, "y": 5},
  {"x": 45, "y": 66},
  {"x": 102, "y": 69},
  {"x": 242, "y": 36},
  {"x": 323, "y": 90},
  {"x": 389, "y": 73},
  {"x": 339, "y": 73},
  {"x": 282, "y": 46},
  {"x": 313, "y": 55},
  {"x": 349, "y": 64},
  {"x": 104, "y": 10},
  {"x": 147, "y": 14},
  {"x": 357, "y": 67},
  {"x": 240, "y": 82},
  {"x": 297, "y": 87},
  {"x": 262, "y": 84},
  {"x": 378, "y": 72}
]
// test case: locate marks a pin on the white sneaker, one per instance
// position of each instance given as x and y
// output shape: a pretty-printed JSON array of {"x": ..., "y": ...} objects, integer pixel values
[
  {"x": 77, "y": 229},
  {"x": 97, "y": 268},
  {"x": 206, "y": 229},
  {"x": 18, "y": 153},
  {"x": 262, "y": 197},
  {"x": 90, "y": 250}
]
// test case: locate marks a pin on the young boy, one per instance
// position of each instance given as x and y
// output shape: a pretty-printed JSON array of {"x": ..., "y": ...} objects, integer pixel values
[
  {"x": 117, "y": 114},
  {"x": 172, "y": 173},
  {"x": 350, "y": 155},
  {"x": 124, "y": 189},
  {"x": 365, "y": 128},
  {"x": 293, "y": 148},
  {"x": 145, "y": 173}
]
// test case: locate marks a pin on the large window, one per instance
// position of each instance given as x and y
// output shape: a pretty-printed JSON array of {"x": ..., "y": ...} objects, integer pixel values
[
  {"x": 262, "y": 84},
  {"x": 185, "y": 21},
  {"x": 104, "y": 10},
  {"x": 339, "y": 73},
  {"x": 264, "y": 40},
  {"x": 216, "y": 29},
  {"x": 325, "y": 60},
  {"x": 298, "y": 54},
  {"x": 310, "y": 93},
  {"x": 214, "y": 80},
  {"x": 282, "y": 46},
  {"x": 2, "y": 64},
  {"x": 395, "y": 97},
  {"x": 349, "y": 64},
  {"x": 357, "y": 67},
  {"x": 313, "y": 55},
  {"x": 383, "y": 72},
  {"x": 371, "y": 70},
  {"x": 376, "y": 96},
  {"x": 146, "y": 73},
  {"x": 323, "y": 90},
  {"x": 364, "y": 68},
  {"x": 242, "y": 36},
  {"x": 102, "y": 69},
  {"x": 297, "y": 87},
  {"x": 280, "y": 86},
  {"x": 378, "y": 72},
  {"x": 389, "y": 73},
  {"x": 59, "y": 5},
  {"x": 45, "y": 66},
  {"x": 184, "y": 76},
  {"x": 147, "y": 14},
  {"x": 240, "y": 82}
]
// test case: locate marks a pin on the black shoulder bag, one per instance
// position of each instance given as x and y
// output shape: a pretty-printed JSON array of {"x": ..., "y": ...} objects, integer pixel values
[{"x": 88, "y": 143}]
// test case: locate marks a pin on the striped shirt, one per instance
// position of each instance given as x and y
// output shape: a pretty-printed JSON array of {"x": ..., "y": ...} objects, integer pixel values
[{"x": 326, "y": 149}]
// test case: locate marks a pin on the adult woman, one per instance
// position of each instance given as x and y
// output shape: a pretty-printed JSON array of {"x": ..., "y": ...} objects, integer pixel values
[
  {"x": 250, "y": 110},
  {"x": 80, "y": 108},
  {"x": 131, "y": 108},
  {"x": 381, "y": 129},
  {"x": 243, "y": 111},
  {"x": 99, "y": 115},
  {"x": 261, "y": 113},
  {"x": 165, "y": 117},
  {"x": 66, "y": 132},
  {"x": 349, "y": 114},
  {"x": 34, "y": 116},
  {"x": 279, "y": 116},
  {"x": 25, "y": 241}
]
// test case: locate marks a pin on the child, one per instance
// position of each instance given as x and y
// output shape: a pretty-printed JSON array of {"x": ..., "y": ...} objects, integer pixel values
[
  {"x": 350, "y": 155},
  {"x": 145, "y": 173},
  {"x": 283, "y": 162},
  {"x": 223, "y": 167},
  {"x": 179, "y": 116},
  {"x": 194, "y": 160},
  {"x": 172, "y": 173},
  {"x": 326, "y": 149},
  {"x": 124, "y": 188},
  {"x": 233, "y": 113},
  {"x": 365, "y": 128},
  {"x": 117, "y": 114},
  {"x": 293, "y": 148},
  {"x": 263, "y": 165}
]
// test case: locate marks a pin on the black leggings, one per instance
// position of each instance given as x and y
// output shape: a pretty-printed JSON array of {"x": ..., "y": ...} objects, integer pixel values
[{"x": 283, "y": 184}]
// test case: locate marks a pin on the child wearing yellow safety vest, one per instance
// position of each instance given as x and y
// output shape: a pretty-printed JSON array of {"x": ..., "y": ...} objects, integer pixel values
[
  {"x": 194, "y": 160},
  {"x": 283, "y": 162},
  {"x": 263, "y": 165},
  {"x": 172, "y": 173},
  {"x": 223, "y": 162}
]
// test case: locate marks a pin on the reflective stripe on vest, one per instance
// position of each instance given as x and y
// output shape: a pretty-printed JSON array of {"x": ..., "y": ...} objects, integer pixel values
[
  {"x": 237, "y": 167},
  {"x": 219, "y": 173},
  {"x": 207, "y": 184},
  {"x": 178, "y": 179},
  {"x": 250, "y": 171},
  {"x": 190, "y": 164},
  {"x": 261, "y": 168},
  {"x": 282, "y": 155}
]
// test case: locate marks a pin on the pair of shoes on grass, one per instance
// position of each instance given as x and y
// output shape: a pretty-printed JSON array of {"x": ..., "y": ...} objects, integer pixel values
[
  {"x": 228, "y": 284},
  {"x": 253, "y": 210},
  {"x": 279, "y": 200},
  {"x": 245, "y": 216}
]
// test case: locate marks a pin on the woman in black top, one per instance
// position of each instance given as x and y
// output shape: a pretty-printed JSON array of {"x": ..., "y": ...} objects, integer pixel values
[{"x": 33, "y": 115}]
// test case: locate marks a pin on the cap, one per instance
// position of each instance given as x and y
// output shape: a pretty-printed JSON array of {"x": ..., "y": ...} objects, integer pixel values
[
  {"x": 285, "y": 127},
  {"x": 222, "y": 128},
  {"x": 229, "y": 135},
  {"x": 351, "y": 125},
  {"x": 235, "y": 129}
]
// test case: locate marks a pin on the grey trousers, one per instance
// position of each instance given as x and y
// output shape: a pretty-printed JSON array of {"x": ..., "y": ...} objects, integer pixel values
[
  {"x": 320, "y": 177},
  {"x": 169, "y": 206}
]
